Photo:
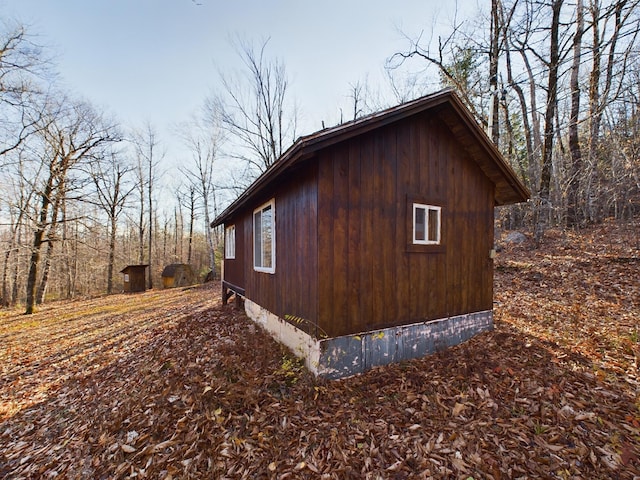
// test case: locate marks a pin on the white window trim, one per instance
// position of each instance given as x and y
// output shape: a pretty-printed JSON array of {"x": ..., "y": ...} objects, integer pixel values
[
  {"x": 230, "y": 242},
  {"x": 428, "y": 208},
  {"x": 257, "y": 268}
]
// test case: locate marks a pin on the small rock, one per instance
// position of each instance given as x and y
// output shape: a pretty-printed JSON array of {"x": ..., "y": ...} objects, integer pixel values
[{"x": 515, "y": 237}]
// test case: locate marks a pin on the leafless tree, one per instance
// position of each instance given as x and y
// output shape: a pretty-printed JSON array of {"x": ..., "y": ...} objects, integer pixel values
[
  {"x": 24, "y": 77},
  {"x": 149, "y": 155},
  {"x": 255, "y": 109},
  {"x": 574, "y": 118},
  {"x": 188, "y": 199},
  {"x": 365, "y": 100},
  {"x": 18, "y": 197},
  {"x": 203, "y": 141},
  {"x": 113, "y": 186},
  {"x": 74, "y": 134},
  {"x": 565, "y": 68}
]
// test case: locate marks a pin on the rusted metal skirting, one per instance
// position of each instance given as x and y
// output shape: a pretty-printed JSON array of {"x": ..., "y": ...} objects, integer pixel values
[{"x": 352, "y": 354}]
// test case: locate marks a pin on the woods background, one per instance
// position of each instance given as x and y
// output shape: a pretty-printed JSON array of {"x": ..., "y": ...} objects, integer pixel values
[{"x": 556, "y": 84}]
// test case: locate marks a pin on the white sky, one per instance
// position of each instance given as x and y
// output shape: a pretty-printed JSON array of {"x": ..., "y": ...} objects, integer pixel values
[{"x": 157, "y": 60}]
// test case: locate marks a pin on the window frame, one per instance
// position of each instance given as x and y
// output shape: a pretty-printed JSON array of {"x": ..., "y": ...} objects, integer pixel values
[
  {"x": 271, "y": 204},
  {"x": 230, "y": 242},
  {"x": 427, "y": 224}
]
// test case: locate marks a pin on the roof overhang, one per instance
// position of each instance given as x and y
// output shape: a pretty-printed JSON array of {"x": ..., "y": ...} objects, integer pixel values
[{"x": 445, "y": 103}]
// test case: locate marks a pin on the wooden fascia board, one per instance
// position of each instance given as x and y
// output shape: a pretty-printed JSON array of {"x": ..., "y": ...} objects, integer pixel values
[{"x": 505, "y": 174}]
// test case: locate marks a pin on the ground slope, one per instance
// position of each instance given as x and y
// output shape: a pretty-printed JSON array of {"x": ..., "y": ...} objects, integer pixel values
[{"x": 170, "y": 384}]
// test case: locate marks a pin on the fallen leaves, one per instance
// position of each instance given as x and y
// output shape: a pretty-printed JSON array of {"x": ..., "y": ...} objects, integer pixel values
[{"x": 172, "y": 385}]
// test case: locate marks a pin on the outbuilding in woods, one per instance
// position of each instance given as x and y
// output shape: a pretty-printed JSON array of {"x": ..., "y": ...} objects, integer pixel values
[
  {"x": 177, "y": 275},
  {"x": 372, "y": 242},
  {"x": 134, "y": 278}
]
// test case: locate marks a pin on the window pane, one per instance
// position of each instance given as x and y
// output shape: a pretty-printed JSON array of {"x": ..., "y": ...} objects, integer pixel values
[
  {"x": 257, "y": 239},
  {"x": 419, "y": 230},
  {"x": 264, "y": 241},
  {"x": 267, "y": 232},
  {"x": 434, "y": 225},
  {"x": 230, "y": 242}
]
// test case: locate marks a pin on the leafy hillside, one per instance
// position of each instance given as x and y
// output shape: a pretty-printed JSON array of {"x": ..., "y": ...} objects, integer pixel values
[{"x": 169, "y": 384}]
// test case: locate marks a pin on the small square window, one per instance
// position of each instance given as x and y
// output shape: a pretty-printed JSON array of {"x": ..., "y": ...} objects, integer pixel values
[
  {"x": 230, "y": 242},
  {"x": 426, "y": 224}
]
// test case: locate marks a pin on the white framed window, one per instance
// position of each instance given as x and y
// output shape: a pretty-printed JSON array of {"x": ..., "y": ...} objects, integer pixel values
[
  {"x": 426, "y": 224},
  {"x": 230, "y": 242},
  {"x": 264, "y": 238}
]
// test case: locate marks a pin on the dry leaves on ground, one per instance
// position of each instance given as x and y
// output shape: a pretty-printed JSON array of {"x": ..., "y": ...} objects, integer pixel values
[{"x": 172, "y": 385}]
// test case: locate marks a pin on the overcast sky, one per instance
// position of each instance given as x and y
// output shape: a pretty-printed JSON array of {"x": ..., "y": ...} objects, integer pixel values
[{"x": 157, "y": 60}]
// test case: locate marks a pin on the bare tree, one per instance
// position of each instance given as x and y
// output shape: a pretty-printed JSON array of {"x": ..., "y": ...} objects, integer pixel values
[
  {"x": 254, "y": 108},
  {"x": 574, "y": 134},
  {"x": 19, "y": 198},
  {"x": 553, "y": 64},
  {"x": 110, "y": 176},
  {"x": 363, "y": 99},
  {"x": 203, "y": 140},
  {"x": 147, "y": 147},
  {"x": 24, "y": 75},
  {"x": 188, "y": 200},
  {"x": 74, "y": 134},
  {"x": 456, "y": 60}
]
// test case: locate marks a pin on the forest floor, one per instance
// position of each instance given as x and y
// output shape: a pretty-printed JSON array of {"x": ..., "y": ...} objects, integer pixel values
[{"x": 170, "y": 384}]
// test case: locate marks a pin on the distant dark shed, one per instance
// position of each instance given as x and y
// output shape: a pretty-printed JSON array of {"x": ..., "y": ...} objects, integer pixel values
[
  {"x": 134, "y": 278},
  {"x": 177, "y": 275},
  {"x": 372, "y": 242}
]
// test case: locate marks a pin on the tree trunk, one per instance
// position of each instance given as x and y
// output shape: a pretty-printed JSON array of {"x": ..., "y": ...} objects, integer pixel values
[
  {"x": 543, "y": 207},
  {"x": 149, "y": 199},
  {"x": 112, "y": 252},
  {"x": 192, "y": 218},
  {"x": 141, "y": 215},
  {"x": 16, "y": 270},
  {"x": 38, "y": 236},
  {"x": 573, "y": 194},
  {"x": 44, "y": 281},
  {"x": 494, "y": 127},
  {"x": 4, "y": 298},
  {"x": 32, "y": 277},
  {"x": 59, "y": 199}
]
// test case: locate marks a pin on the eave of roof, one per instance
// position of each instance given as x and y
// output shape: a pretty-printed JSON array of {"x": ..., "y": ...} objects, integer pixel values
[
  {"x": 133, "y": 266},
  {"x": 497, "y": 169}
]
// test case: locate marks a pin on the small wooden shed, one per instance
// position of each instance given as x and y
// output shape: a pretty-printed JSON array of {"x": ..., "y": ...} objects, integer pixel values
[
  {"x": 372, "y": 242},
  {"x": 177, "y": 275},
  {"x": 135, "y": 278}
]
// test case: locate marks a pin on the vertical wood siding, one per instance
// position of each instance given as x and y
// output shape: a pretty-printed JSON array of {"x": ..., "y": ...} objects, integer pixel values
[
  {"x": 292, "y": 291},
  {"x": 344, "y": 261},
  {"x": 234, "y": 268},
  {"x": 368, "y": 278}
]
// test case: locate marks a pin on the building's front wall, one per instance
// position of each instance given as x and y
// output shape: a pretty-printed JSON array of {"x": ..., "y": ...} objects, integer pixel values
[
  {"x": 137, "y": 279},
  {"x": 370, "y": 275}
]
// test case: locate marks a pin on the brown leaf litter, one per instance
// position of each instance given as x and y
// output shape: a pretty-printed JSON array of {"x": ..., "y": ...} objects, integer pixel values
[{"x": 170, "y": 384}]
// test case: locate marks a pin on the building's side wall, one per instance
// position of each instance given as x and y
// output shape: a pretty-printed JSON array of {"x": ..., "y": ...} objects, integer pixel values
[
  {"x": 369, "y": 277},
  {"x": 233, "y": 269},
  {"x": 291, "y": 292}
]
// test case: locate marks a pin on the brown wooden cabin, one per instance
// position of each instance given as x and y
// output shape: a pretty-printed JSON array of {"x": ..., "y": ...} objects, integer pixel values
[
  {"x": 135, "y": 278},
  {"x": 177, "y": 275},
  {"x": 372, "y": 241}
]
